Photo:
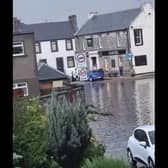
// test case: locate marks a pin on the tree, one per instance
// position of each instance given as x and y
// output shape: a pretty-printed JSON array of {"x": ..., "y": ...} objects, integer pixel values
[{"x": 31, "y": 134}]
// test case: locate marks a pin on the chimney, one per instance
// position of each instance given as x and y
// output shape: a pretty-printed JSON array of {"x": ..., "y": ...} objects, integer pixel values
[
  {"x": 16, "y": 25},
  {"x": 73, "y": 20},
  {"x": 91, "y": 14},
  {"x": 146, "y": 7}
]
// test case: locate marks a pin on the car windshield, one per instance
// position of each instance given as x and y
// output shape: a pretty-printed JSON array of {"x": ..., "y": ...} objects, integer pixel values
[{"x": 152, "y": 137}]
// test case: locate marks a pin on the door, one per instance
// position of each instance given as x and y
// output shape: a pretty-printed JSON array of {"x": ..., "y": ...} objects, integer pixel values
[
  {"x": 106, "y": 66},
  {"x": 94, "y": 63},
  {"x": 60, "y": 64}
]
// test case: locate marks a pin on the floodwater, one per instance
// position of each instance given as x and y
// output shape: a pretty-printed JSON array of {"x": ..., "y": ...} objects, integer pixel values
[{"x": 129, "y": 102}]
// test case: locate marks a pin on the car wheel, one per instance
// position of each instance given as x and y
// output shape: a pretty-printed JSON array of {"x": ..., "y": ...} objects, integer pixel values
[
  {"x": 131, "y": 160},
  {"x": 150, "y": 163}
]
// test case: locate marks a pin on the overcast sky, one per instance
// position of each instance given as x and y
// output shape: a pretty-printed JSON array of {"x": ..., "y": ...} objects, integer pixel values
[{"x": 35, "y": 11}]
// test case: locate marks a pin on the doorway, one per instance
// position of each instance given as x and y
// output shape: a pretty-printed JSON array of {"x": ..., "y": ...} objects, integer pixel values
[
  {"x": 60, "y": 64},
  {"x": 94, "y": 63}
]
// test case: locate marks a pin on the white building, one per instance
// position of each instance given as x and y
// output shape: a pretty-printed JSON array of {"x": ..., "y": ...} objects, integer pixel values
[
  {"x": 108, "y": 39},
  {"x": 54, "y": 43},
  {"x": 142, "y": 39}
]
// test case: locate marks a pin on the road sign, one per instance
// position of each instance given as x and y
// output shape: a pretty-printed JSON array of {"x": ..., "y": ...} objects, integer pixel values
[
  {"x": 81, "y": 65},
  {"x": 129, "y": 56},
  {"x": 81, "y": 58}
]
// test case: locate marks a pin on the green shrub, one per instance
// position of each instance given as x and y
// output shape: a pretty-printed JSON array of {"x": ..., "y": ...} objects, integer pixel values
[
  {"x": 92, "y": 151},
  {"x": 31, "y": 134},
  {"x": 69, "y": 132},
  {"x": 105, "y": 163}
]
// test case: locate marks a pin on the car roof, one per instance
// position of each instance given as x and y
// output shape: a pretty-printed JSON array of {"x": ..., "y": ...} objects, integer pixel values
[{"x": 146, "y": 127}]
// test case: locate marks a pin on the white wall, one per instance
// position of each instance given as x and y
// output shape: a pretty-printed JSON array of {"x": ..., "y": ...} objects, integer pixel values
[
  {"x": 51, "y": 56},
  {"x": 146, "y": 22}
]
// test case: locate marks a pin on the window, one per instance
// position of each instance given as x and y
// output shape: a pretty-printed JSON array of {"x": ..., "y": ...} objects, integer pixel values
[
  {"x": 152, "y": 136},
  {"x": 140, "y": 135},
  {"x": 37, "y": 47},
  {"x": 20, "y": 89},
  {"x": 113, "y": 63},
  {"x": 119, "y": 38},
  {"x": 70, "y": 62},
  {"x": 43, "y": 61},
  {"x": 54, "y": 46},
  {"x": 69, "y": 44},
  {"x": 140, "y": 60},
  {"x": 138, "y": 37},
  {"x": 89, "y": 42},
  {"x": 18, "y": 48},
  {"x": 60, "y": 64},
  {"x": 100, "y": 41}
]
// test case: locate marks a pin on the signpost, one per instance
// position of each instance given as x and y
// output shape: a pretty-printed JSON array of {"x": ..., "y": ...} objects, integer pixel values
[{"x": 81, "y": 65}]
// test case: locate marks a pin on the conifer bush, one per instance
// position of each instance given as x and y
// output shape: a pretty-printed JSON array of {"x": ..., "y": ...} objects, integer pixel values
[{"x": 69, "y": 132}]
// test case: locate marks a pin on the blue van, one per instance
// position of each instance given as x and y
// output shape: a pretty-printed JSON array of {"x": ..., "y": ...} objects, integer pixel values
[{"x": 95, "y": 74}]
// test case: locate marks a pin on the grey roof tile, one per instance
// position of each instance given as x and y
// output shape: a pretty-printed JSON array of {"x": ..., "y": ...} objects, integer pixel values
[
  {"x": 46, "y": 72},
  {"x": 50, "y": 30},
  {"x": 109, "y": 22}
]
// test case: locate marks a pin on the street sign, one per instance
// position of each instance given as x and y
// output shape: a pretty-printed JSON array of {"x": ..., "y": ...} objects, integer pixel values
[
  {"x": 129, "y": 56},
  {"x": 81, "y": 58},
  {"x": 81, "y": 65}
]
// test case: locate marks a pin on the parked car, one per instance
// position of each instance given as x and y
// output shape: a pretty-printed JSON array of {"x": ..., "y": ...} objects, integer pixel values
[
  {"x": 141, "y": 146},
  {"x": 95, "y": 74}
]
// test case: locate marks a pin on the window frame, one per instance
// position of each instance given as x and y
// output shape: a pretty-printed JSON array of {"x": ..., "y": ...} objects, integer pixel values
[
  {"x": 51, "y": 45},
  {"x": 71, "y": 44},
  {"x": 39, "y": 46},
  {"x": 23, "y": 48},
  {"x": 89, "y": 44},
  {"x": 15, "y": 86},
  {"x": 142, "y": 64},
  {"x": 139, "y": 36},
  {"x": 140, "y": 139},
  {"x": 69, "y": 57}
]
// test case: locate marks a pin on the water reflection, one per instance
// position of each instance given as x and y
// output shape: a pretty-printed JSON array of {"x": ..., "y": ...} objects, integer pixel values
[
  {"x": 131, "y": 103},
  {"x": 144, "y": 95}
]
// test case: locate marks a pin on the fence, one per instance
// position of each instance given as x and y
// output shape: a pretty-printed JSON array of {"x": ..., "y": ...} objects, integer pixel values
[{"x": 70, "y": 93}]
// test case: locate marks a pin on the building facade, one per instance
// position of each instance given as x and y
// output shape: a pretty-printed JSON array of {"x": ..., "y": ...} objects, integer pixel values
[
  {"x": 54, "y": 43},
  {"x": 123, "y": 39},
  {"x": 25, "y": 81},
  {"x": 142, "y": 40}
]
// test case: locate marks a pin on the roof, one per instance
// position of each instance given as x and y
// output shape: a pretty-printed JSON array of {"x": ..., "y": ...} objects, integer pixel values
[
  {"x": 50, "y": 30},
  {"x": 109, "y": 22},
  {"x": 46, "y": 72}
]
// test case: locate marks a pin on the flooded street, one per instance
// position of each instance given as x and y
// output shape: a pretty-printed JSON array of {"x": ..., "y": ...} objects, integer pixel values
[{"x": 131, "y": 103}]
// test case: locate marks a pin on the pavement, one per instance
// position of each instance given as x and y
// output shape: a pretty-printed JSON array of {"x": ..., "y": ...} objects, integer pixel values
[{"x": 141, "y": 76}]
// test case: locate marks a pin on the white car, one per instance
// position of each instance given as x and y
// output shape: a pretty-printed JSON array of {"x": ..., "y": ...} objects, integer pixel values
[{"x": 141, "y": 146}]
